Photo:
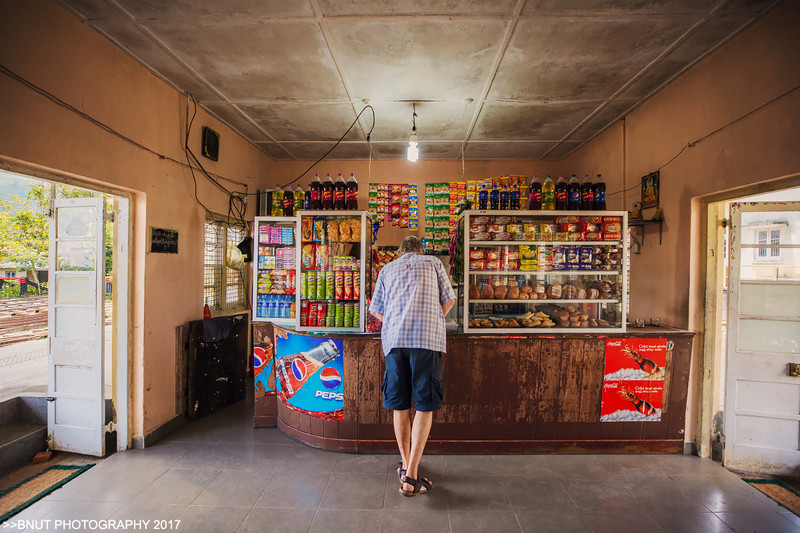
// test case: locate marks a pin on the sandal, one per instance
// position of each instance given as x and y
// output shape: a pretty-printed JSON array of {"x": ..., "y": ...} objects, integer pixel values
[
  {"x": 417, "y": 484},
  {"x": 400, "y": 471}
]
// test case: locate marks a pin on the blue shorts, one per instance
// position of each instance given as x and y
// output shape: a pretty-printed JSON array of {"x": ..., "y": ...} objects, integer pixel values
[{"x": 413, "y": 372}]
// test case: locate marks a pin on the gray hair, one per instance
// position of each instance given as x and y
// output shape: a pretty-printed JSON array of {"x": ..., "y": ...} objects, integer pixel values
[{"x": 411, "y": 244}]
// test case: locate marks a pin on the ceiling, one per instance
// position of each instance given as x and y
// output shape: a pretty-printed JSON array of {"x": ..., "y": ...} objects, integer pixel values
[{"x": 502, "y": 79}]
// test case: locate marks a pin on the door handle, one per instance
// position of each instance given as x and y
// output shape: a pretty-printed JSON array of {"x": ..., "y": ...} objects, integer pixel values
[
  {"x": 793, "y": 369},
  {"x": 50, "y": 399}
]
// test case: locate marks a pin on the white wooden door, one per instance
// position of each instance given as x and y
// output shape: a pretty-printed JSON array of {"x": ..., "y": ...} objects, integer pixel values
[
  {"x": 762, "y": 403},
  {"x": 76, "y": 408}
]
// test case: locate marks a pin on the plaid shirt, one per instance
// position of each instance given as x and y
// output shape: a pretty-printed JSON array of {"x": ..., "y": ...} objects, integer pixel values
[{"x": 409, "y": 294}]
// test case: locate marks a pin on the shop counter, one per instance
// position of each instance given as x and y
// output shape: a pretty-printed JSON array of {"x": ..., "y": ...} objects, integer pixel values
[{"x": 560, "y": 393}]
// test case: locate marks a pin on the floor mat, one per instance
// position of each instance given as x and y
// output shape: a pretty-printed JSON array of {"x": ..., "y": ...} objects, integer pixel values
[
  {"x": 782, "y": 493},
  {"x": 25, "y": 493}
]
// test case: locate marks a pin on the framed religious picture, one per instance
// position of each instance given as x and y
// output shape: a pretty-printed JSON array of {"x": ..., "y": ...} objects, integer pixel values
[{"x": 650, "y": 190}]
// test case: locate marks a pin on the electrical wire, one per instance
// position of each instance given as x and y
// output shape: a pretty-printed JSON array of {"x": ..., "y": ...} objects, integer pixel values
[
  {"x": 706, "y": 136},
  {"x": 369, "y": 135},
  {"x": 56, "y": 100}
]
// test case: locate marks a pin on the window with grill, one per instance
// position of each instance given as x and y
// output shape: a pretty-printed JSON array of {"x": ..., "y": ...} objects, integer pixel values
[
  {"x": 775, "y": 238},
  {"x": 223, "y": 287},
  {"x": 768, "y": 237}
]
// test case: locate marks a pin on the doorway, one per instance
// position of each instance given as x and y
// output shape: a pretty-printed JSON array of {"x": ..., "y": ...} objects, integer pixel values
[
  {"x": 752, "y": 417},
  {"x": 28, "y": 201}
]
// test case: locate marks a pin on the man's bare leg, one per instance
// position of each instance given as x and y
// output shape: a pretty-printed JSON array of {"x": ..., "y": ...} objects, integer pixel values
[
  {"x": 402, "y": 432},
  {"x": 419, "y": 437}
]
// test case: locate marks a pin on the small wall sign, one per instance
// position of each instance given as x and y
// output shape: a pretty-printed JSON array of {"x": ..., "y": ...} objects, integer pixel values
[{"x": 163, "y": 241}]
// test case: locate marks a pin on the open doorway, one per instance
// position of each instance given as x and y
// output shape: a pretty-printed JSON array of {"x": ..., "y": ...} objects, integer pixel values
[
  {"x": 745, "y": 322},
  {"x": 26, "y": 211}
]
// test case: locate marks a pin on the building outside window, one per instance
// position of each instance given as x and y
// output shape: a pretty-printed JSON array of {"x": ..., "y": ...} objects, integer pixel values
[{"x": 768, "y": 237}]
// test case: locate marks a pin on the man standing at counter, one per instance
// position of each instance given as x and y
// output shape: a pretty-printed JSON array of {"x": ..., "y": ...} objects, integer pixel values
[{"x": 412, "y": 296}]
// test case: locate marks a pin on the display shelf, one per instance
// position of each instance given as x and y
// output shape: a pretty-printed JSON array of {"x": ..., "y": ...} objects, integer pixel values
[
  {"x": 526, "y": 263},
  {"x": 334, "y": 247},
  {"x": 273, "y": 287},
  {"x": 543, "y": 272},
  {"x": 545, "y": 300},
  {"x": 644, "y": 223}
]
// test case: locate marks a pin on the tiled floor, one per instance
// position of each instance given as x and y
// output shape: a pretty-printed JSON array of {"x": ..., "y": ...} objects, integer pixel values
[{"x": 219, "y": 475}]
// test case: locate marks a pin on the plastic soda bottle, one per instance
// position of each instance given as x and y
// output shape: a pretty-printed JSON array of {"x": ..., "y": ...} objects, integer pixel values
[
  {"x": 574, "y": 192},
  {"x": 548, "y": 194},
  {"x": 288, "y": 202},
  {"x": 494, "y": 198},
  {"x": 562, "y": 193},
  {"x": 339, "y": 190},
  {"x": 351, "y": 195},
  {"x": 504, "y": 197},
  {"x": 277, "y": 202},
  {"x": 535, "y": 193},
  {"x": 513, "y": 201},
  {"x": 483, "y": 197},
  {"x": 599, "y": 194},
  {"x": 327, "y": 193},
  {"x": 315, "y": 193},
  {"x": 299, "y": 198},
  {"x": 587, "y": 194}
]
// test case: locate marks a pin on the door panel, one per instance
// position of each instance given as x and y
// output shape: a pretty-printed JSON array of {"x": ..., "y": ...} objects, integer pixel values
[
  {"x": 76, "y": 412},
  {"x": 762, "y": 418}
]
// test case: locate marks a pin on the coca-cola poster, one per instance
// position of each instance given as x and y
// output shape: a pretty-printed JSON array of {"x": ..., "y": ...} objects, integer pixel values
[
  {"x": 309, "y": 371},
  {"x": 633, "y": 380},
  {"x": 263, "y": 362}
]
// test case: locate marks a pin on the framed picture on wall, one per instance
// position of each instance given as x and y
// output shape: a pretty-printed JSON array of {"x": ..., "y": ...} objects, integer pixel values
[{"x": 650, "y": 190}]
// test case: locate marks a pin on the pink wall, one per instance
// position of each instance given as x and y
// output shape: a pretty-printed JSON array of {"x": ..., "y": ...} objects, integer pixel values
[
  {"x": 757, "y": 66},
  {"x": 49, "y": 47},
  {"x": 739, "y": 110}
]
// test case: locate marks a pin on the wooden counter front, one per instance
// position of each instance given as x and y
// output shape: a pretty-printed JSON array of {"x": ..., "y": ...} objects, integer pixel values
[{"x": 504, "y": 394}]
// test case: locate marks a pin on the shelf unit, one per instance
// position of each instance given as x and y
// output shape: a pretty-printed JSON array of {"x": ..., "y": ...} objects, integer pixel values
[
  {"x": 612, "y": 273},
  {"x": 263, "y": 242}
]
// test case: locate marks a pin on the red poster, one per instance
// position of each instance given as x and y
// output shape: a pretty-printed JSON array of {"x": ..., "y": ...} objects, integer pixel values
[
  {"x": 632, "y": 401},
  {"x": 633, "y": 380},
  {"x": 640, "y": 359}
]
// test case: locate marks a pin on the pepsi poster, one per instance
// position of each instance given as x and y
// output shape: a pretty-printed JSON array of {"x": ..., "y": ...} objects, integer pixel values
[
  {"x": 633, "y": 380},
  {"x": 263, "y": 362},
  {"x": 309, "y": 374}
]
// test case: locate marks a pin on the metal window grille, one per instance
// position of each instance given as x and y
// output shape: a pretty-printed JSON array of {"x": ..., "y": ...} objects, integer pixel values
[
  {"x": 223, "y": 288},
  {"x": 213, "y": 261},
  {"x": 775, "y": 239},
  {"x": 762, "y": 239},
  {"x": 234, "y": 282}
]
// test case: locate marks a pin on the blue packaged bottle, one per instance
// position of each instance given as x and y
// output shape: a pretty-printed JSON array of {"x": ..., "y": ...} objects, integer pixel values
[
  {"x": 494, "y": 198},
  {"x": 483, "y": 197}
]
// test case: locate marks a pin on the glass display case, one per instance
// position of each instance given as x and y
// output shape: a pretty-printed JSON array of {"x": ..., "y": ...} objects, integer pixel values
[
  {"x": 556, "y": 271},
  {"x": 334, "y": 264},
  {"x": 274, "y": 269}
]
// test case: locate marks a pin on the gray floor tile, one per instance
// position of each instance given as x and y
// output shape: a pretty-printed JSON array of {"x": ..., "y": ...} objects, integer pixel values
[
  {"x": 236, "y": 488},
  {"x": 120, "y": 483},
  {"x": 553, "y": 522},
  {"x": 82, "y": 511},
  {"x": 305, "y": 459},
  {"x": 661, "y": 493},
  {"x": 471, "y": 465},
  {"x": 576, "y": 466},
  {"x": 139, "y": 511},
  {"x": 615, "y": 522},
  {"x": 631, "y": 465},
  {"x": 280, "y": 520},
  {"x": 758, "y": 522},
  {"x": 677, "y": 464},
  {"x": 729, "y": 496},
  {"x": 483, "y": 522},
  {"x": 532, "y": 494},
  {"x": 524, "y": 465},
  {"x": 272, "y": 436},
  {"x": 354, "y": 491},
  {"x": 690, "y": 523},
  {"x": 360, "y": 464},
  {"x": 472, "y": 493},
  {"x": 351, "y": 521},
  {"x": 599, "y": 495},
  {"x": 266, "y": 458},
  {"x": 394, "y": 521},
  {"x": 176, "y": 485},
  {"x": 212, "y": 519},
  {"x": 290, "y": 490},
  {"x": 208, "y": 455}
]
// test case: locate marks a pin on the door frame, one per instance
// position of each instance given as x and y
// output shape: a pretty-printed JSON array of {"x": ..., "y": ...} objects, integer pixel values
[{"x": 122, "y": 377}]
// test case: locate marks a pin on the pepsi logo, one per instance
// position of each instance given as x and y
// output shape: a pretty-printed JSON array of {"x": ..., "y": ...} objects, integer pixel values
[
  {"x": 259, "y": 359},
  {"x": 298, "y": 370},
  {"x": 330, "y": 377}
]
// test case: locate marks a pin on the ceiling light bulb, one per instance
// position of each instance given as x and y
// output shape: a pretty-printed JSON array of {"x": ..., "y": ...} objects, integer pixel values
[{"x": 413, "y": 151}]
